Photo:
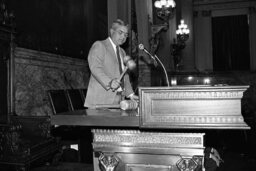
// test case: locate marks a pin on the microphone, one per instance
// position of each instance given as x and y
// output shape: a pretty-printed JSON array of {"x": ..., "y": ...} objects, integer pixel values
[{"x": 141, "y": 47}]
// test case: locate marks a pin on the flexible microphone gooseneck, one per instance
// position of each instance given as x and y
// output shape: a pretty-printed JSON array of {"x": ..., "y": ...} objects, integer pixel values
[
  {"x": 141, "y": 47},
  {"x": 154, "y": 57}
]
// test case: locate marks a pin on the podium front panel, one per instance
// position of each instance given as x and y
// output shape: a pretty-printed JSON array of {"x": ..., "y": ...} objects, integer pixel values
[{"x": 196, "y": 107}]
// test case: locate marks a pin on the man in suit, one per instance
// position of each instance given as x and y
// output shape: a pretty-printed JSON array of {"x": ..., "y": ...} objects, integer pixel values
[{"x": 106, "y": 64}]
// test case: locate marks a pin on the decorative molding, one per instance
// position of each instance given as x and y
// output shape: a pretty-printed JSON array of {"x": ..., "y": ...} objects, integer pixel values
[
  {"x": 131, "y": 167},
  {"x": 203, "y": 120},
  {"x": 48, "y": 60},
  {"x": 197, "y": 95},
  {"x": 217, "y": 5},
  {"x": 132, "y": 138},
  {"x": 217, "y": 1}
]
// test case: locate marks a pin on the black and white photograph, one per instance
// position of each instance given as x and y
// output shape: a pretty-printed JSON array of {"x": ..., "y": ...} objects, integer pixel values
[{"x": 127, "y": 85}]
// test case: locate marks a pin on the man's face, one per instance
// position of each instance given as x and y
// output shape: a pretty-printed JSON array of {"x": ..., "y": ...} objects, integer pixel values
[{"x": 119, "y": 35}]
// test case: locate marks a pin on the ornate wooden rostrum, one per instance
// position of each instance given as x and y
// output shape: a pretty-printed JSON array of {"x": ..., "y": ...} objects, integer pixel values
[
  {"x": 126, "y": 150},
  {"x": 197, "y": 107},
  {"x": 152, "y": 145}
]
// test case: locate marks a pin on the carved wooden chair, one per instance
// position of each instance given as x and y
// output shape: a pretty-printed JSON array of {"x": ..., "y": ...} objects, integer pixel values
[{"x": 27, "y": 142}]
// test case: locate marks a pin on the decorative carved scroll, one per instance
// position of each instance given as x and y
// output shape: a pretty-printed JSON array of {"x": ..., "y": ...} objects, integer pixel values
[{"x": 155, "y": 36}]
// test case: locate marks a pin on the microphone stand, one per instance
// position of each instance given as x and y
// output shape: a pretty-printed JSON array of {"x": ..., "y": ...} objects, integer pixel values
[
  {"x": 141, "y": 47},
  {"x": 166, "y": 76}
]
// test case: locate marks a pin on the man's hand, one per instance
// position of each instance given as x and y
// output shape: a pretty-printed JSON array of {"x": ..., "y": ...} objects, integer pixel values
[
  {"x": 114, "y": 84},
  {"x": 134, "y": 97}
]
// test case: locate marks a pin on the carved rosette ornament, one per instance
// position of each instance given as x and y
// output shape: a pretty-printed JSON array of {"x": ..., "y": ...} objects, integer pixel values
[
  {"x": 108, "y": 162},
  {"x": 189, "y": 164}
]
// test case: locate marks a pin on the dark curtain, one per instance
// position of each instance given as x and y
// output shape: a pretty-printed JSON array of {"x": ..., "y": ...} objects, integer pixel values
[
  {"x": 62, "y": 27},
  {"x": 3, "y": 82},
  {"x": 230, "y": 35}
]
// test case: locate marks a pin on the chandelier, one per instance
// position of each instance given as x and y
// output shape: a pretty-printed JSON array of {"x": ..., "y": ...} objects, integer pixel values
[
  {"x": 165, "y": 8},
  {"x": 182, "y": 32}
]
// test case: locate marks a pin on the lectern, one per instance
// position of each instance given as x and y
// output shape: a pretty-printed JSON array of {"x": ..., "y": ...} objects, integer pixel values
[
  {"x": 145, "y": 140},
  {"x": 179, "y": 107}
]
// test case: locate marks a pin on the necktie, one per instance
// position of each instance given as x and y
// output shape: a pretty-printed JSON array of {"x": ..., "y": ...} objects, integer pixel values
[
  {"x": 119, "y": 59},
  {"x": 120, "y": 64}
]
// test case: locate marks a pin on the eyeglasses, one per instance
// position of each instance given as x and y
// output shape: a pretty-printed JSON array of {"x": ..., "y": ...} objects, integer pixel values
[{"x": 120, "y": 32}]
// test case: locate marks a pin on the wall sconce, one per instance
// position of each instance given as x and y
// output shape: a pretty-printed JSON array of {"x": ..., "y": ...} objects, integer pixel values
[
  {"x": 182, "y": 32},
  {"x": 165, "y": 8},
  {"x": 182, "y": 36}
]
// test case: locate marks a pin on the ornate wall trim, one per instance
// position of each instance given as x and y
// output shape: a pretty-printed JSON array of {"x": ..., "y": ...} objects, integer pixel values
[
  {"x": 217, "y": 5},
  {"x": 49, "y": 60}
]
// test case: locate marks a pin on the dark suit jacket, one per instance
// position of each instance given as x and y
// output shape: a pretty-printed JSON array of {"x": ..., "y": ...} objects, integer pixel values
[{"x": 104, "y": 67}]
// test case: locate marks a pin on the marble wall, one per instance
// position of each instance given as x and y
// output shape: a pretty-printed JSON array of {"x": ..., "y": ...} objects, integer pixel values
[{"x": 36, "y": 72}]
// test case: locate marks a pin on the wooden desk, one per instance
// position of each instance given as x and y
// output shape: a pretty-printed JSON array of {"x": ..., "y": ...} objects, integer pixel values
[
  {"x": 178, "y": 107},
  {"x": 89, "y": 117},
  {"x": 134, "y": 149}
]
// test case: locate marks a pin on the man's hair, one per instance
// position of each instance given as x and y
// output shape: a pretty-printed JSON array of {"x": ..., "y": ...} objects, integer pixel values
[{"x": 118, "y": 23}]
